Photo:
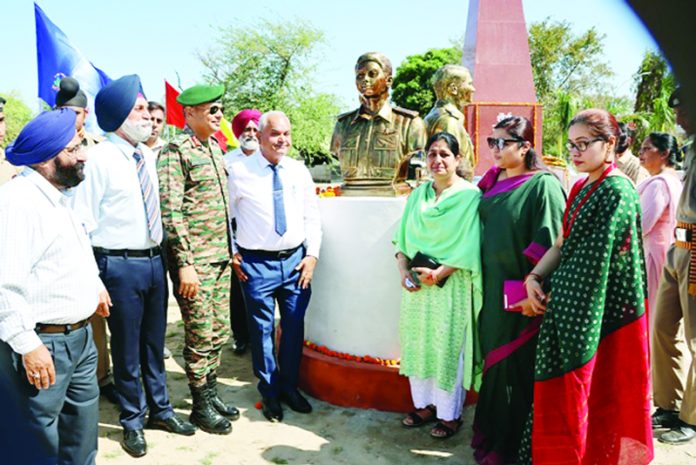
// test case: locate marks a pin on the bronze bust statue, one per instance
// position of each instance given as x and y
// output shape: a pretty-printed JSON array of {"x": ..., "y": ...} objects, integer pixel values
[
  {"x": 453, "y": 88},
  {"x": 375, "y": 142}
]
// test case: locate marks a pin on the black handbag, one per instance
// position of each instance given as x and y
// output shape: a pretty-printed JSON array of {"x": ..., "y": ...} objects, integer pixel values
[{"x": 424, "y": 261}]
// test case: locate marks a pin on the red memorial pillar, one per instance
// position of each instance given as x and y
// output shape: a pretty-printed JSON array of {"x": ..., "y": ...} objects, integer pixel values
[{"x": 496, "y": 51}]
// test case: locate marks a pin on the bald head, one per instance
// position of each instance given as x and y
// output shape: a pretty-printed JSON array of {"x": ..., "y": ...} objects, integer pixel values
[{"x": 275, "y": 135}]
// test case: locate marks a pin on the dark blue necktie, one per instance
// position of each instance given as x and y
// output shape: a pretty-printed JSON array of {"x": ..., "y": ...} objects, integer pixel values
[{"x": 278, "y": 205}]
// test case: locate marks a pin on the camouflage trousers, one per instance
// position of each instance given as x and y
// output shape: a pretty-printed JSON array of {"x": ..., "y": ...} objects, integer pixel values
[{"x": 206, "y": 320}]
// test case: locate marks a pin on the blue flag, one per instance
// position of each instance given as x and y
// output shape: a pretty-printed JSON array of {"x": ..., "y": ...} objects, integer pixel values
[{"x": 57, "y": 58}]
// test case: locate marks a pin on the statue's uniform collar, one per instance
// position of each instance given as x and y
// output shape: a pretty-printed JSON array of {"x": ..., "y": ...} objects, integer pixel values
[{"x": 384, "y": 113}]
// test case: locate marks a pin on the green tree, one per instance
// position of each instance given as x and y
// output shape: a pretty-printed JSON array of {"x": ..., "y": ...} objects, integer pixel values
[
  {"x": 654, "y": 83},
  {"x": 412, "y": 87},
  {"x": 569, "y": 73},
  {"x": 17, "y": 114},
  {"x": 565, "y": 61},
  {"x": 272, "y": 66}
]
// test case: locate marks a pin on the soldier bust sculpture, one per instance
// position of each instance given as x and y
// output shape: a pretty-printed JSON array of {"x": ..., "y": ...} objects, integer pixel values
[
  {"x": 375, "y": 142},
  {"x": 453, "y": 88}
]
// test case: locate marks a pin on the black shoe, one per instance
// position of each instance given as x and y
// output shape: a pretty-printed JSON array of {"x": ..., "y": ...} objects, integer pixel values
[
  {"x": 134, "y": 442},
  {"x": 296, "y": 401},
  {"x": 230, "y": 411},
  {"x": 272, "y": 409},
  {"x": 240, "y": 347},
  {"x": 204, "y": 414},
  {"x": 665, "y": 418},
  {"x": 680, "y": 434},
  {"x": 109, "y": 391},
  {"x": 173, "y": 424}
]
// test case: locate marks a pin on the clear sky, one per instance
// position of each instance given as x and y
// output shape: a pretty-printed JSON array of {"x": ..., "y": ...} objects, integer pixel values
[{"x": 158, "y": 39}]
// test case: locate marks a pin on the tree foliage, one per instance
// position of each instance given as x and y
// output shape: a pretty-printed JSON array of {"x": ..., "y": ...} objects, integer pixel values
[
  {"x": 17, "y": 114},
  {"x": 654, "y": 83},
  {"x": 570, "y": 73},
  {"x": 412, "y": 87},
  {"x": 270, "y": 66},
  {"x": 565, "y": 61}
]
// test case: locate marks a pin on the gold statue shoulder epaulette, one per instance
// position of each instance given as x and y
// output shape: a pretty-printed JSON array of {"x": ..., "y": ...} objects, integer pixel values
[{"x": 404, "y": 111}]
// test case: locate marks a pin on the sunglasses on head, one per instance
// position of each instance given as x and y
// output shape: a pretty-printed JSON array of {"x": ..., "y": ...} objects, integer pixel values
[
  {"x": 501, "y": 142},
  {"x": 215, "y": 108}
]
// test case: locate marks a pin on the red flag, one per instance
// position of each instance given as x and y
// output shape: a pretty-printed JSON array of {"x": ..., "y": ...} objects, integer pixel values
[{"x": 175, "y": 112}]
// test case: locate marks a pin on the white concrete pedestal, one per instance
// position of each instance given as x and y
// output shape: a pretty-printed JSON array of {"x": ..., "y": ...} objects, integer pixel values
[{"x": 355, "y": 291}]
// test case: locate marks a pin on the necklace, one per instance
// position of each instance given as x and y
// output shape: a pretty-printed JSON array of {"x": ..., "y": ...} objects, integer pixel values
[{"x": 568, "y": 218}]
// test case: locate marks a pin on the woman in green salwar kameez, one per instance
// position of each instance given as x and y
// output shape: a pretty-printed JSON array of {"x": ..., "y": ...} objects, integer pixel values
[
  {"x": 438, "y": 322},
  {"x": 521, "y": 212}
]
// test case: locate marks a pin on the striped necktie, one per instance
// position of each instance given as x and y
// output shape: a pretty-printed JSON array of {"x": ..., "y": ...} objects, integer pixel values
[
  {"x": 152, "y": 207},
  {"x": 278, "y": 204}
]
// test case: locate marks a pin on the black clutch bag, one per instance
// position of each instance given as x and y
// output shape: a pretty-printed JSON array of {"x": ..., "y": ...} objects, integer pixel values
[{"x": 423, "y": 261}]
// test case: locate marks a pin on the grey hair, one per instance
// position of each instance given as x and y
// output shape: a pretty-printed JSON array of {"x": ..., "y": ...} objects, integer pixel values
[{"x": 264, "y": 118}]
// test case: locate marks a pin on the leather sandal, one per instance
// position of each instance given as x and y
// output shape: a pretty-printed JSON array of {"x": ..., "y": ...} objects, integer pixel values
[
  {"x": 417, "y": 420},
  {"x": 446, "y": 431}
]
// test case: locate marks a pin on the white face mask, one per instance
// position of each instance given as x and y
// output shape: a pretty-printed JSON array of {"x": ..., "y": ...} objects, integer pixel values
[
  {"x": 137, "y": 131},
  {"x": 249, "y": 144}
]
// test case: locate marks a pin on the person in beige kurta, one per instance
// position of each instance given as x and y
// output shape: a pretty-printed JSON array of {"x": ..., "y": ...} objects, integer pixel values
[{"x": 626, "y": 161}]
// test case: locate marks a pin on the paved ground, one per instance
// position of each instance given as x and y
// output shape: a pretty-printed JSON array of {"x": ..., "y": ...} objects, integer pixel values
[{"x": 331, "y": 435}]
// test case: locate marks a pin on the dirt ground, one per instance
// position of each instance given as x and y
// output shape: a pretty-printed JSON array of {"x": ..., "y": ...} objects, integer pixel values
[{"x": 330, "y": 435}]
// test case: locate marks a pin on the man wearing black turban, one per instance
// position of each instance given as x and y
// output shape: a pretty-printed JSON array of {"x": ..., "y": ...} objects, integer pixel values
[{"x": 71, "y": 96}]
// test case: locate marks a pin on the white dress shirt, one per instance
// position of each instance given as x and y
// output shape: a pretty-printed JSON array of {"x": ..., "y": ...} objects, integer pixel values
[
  {"x": 109, "y": 201},
  {"x": 47, "y": 269},
  {"x": 235, "y": 156},
  {"x": 158, "y": 146},
  {"x": 251, "y": 204}
]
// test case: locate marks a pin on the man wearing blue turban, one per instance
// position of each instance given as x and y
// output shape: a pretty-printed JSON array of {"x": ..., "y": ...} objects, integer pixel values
[
  {"x": 49, "y": 288},
  {"x": 119, "y": 203}
]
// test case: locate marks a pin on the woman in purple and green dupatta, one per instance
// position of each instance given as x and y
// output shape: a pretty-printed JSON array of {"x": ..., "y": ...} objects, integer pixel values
[{"x": 521, "y": 213}]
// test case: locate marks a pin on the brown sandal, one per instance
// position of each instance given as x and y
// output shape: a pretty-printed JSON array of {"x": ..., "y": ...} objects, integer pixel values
[
  {"x": 417, "y": 420},
  {"x": 447, "y": 431}
]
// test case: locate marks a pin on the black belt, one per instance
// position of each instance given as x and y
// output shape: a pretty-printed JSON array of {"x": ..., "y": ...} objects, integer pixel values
[
  {"x": 153, "y": 252},
  {"x": 270, "y": 254},
  {"x": 65, "y": 329}
]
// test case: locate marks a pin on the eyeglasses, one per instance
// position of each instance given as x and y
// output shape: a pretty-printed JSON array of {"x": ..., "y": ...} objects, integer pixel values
[
  {"x": 215, "y": 108},
  {"x": 582, "y": 145},
  {"x": 500, "y": 143}
]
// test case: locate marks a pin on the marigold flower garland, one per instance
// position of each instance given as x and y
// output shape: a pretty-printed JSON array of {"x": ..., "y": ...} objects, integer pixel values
[{"x": 353, "y": 358}]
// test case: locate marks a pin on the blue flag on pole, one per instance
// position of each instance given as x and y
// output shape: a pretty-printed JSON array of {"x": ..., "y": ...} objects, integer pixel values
[{"x": 57, "y": 58}]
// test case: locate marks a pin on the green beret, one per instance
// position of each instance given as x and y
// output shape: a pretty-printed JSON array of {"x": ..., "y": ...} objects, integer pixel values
[{"x": 201, "y": 93}]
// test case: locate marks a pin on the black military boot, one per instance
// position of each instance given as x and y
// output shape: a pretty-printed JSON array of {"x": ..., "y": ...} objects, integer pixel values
[
  {"x": 204, "y": 414},
  {"x": 229, "y": 411}
]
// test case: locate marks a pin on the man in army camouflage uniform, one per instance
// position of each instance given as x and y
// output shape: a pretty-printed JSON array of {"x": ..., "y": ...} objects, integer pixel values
[
  {"x": 7, "y": 169},
  {"x": 375, "y": 142},
  {"x": 453, "y": 88},
  {"x": 193, "y": 190}
]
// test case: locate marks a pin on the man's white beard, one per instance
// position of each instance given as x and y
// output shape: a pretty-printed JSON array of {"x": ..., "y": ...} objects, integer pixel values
[
  {"x": 250, "y": 144},
  {"x": 137, "y": 131}
]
